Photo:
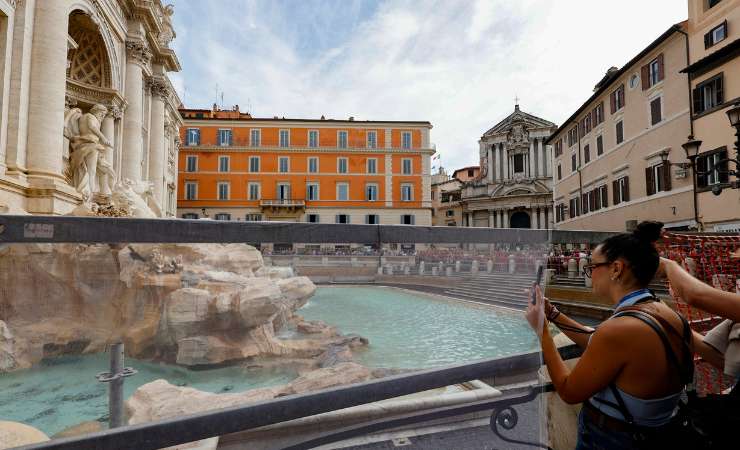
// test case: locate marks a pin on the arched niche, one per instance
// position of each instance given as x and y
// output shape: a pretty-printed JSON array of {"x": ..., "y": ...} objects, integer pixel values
[{"x": 88, "y": 59}]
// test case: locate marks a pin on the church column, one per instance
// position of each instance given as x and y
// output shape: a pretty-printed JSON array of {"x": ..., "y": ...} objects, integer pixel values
[
  {"x": 530, "y": 162},
  {"x": 499, "y": 161},
  {"x": 543, "y": 158},
  {"x": 537, "y": 158},
  {"x": 491, "y": 163},
  {"x": 160, "y": 92},
  {"x": 491, "y": 219},
  {"x": 542, "y": 222},
  {"x": 548, "y": 160},
  {"x": 506, "y": 218},
  {"x": 48, "y": 85},
  {"x": 505, "y": 157},
  {"x": 138, "y": 55}
]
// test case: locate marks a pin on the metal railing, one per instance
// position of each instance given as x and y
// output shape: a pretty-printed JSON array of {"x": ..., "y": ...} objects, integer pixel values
[{"x": 283, "y": 202}]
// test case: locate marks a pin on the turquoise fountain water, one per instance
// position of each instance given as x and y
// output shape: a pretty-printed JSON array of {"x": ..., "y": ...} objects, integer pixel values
[{"x": 405, "y": 330}]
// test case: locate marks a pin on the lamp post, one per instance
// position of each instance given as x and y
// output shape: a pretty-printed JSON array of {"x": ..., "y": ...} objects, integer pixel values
[
  {"x": 691, "y": 147},
  {"x": 734, "y": 115}
]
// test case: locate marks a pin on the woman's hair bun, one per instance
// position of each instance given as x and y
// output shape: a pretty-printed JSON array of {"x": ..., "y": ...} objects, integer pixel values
[{"x": 648, "y": 231}]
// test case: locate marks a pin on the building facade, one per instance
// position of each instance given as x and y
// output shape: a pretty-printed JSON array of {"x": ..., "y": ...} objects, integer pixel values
[
  {"x": 86, "y": 108},
  {"x": 236, "y": 167},
  {"x": 446, "y": 195},
  {"x": 514, "y": 187},
  {"x": 618, "y": 158},
  {"x": 714, "y": 49}
]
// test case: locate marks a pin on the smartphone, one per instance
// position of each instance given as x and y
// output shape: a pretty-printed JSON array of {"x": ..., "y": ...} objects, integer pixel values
[{"x": 540, "y": 272}]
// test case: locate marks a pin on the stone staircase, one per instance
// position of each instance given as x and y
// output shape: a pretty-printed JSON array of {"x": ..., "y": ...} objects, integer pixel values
[
  {"x": 563, "y": 281},
  {"x": 497, "y": 288}
]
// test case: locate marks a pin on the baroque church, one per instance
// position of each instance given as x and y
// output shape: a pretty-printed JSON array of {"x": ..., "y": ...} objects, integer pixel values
[
  {"x": 514, "y": 188},
  {"x": 89, "y": 121}
]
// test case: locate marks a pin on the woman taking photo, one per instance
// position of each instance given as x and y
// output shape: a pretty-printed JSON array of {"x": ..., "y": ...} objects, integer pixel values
[{"x": 635, "y": 365}]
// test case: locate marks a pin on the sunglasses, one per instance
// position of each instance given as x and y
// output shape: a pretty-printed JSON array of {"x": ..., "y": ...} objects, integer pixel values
[{"x": 588, "y": 268}]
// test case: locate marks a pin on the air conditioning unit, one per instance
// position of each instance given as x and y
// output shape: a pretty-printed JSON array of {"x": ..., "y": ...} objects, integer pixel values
[{"x": 630, "y": 225}]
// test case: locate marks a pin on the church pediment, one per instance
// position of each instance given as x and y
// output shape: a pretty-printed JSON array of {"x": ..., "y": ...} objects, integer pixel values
[{"x": 521, "y": 118}]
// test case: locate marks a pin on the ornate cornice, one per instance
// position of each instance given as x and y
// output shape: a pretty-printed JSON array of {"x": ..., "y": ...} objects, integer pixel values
[
  {"x": 159, "y": 88},
  {"x": 138, "y": 52}
]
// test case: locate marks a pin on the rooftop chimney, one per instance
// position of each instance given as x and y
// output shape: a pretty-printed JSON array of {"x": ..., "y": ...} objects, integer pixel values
[{"x": 351, "y": 118}]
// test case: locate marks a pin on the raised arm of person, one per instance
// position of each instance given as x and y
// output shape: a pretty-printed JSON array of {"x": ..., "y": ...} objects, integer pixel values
[
  {"x": 699, "y": 294},
  {"x": 567, "y": 325},
  {"x": 707, "y": 352}
]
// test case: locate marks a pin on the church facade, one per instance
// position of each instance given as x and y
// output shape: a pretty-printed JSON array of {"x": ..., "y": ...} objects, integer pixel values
[
  {"x": 88, "y": 116},
  {"x": 514, "y": 188}
]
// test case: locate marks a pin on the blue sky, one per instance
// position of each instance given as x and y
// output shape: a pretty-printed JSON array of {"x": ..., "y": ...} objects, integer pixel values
[{"x": 457, "y": 64}]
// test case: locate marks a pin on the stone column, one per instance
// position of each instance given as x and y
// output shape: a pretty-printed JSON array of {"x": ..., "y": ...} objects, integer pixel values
[
  {"x": 160, "y": 91},
  {"x": 542, "y": 222},
  {"x": 47, "y": 87},
  {"x": 505, "y": 157},
  {"x": 548, "y": 161},
  {"x": 491, "y": 163},
  {"x": 137, "y": 56},
  {"x": 530, "y": 160},
  {"x": 543, "y": 157},
  {"x": 506, "y": 218},
  {"x": 491, "y": 219}
]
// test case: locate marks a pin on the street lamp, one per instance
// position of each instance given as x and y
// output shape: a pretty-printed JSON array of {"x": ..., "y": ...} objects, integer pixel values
[
  {"x": 691, "y": 147},
  {"x": 734, "y": 115}
]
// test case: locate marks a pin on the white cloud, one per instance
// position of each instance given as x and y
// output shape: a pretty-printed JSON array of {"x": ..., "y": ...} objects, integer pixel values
[{"x": 456, "y": 64}]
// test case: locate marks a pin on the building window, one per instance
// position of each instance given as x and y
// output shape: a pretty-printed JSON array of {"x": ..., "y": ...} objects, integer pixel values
[
  {"x": 312, "y": 218},
  {"x": 575, "y": 207},
  {"x": 372, "y": 139},
  {"x": 560, "y": 172},
  {"x": 716, "y": 35},
  {"x": 716, "y": 172},
  {"x": 407, "y": 219},
  {"x": 449, "y": 213},
  {"x": 372, "y": 165},
  {"x": 599, "y": 145},
  {"x": 518, "y": 163},
  {"x": 573, "y": 162},
  {"x": 313, "y": 164},
  {"x": 656, "y": 113},
  {"x": 621, "y": 190},
  {"x": 191, "y": 163},
  {"x": 341, "y": 165},
  {"x": 342, "y": 218},
  {"x": 558, "y": 147},
  {"x": 652, "y": 72},
  {"x": 223, "y": 216},
  {"x": 712, "y": 3},
  {"x": 193, "y": 136},
  {"x": 598, "y": 114},
  {"x": 313, "y": 138},
  {"x": 616, "y": 99},
  {"x": 708, "y": 94},
  {"x": 342, "y": 191},
  {"x": 312, "y": 191},
  {"x": 406, "y": 166},
  {"x": 254, "y": 190},
  {"x": 283, "y": 190},
  {"x": 572, "y": 136},
  {"x": 342, "y": 139},
  {"x": 254, "y": 164},
  {"x": 586, "y": 154},
  {"x": 223, "y": 163},
  {"x": 406, "y": 139},
  {"x": 255, "y": 137},
  {"x": 471, "y": 172},
  {"x": 224, "y": 138},
  {"x": 190, "y": 216},
  {"x": 284, "y": 164},
  {"x": 372, "y": 219},
  {"x": 223, "y": 190},
  {"x": 407, "y": 192},
  {"x": 603, "y": 197},
  {"x": 191, "y": 190},
  {"x": 284, "y": 138},
  {"x": 371, "y": 192},
  {"x": 253, "y": 217},
  {"x": 620, "y": 132},
  {"x": 658, "y": 178}
]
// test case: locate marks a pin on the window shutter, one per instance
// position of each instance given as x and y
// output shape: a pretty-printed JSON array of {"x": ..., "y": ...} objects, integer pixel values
[
  {"x": 698, "y": 101},
  {"x": 655, "y": 111},
  {"x": 650, "y": 180},
  {"x": 613, "y": 102},
  {"x": 592, "y": 201},
  {"x": 572, "y": 208},
  {"x": 413, "y": 220},
  {"x": 719, "y": 90},
  {"x": 666, "y": 177},
  {"x": 231, "y": 138},
  {"x": 336, "y": 218},
  {"x": 626, "y": 193},
  {"x": 615, "y": 192},
  {"x": 701, "y": 166},
  {"x": 604, "y": 196},
  {"x": 724, "y": 177},
  {"x": 708, "y": 40},
  {"x": 197, "y": 137},
  {"x": 645, "y": 76},
  {"x": 620, "y": 92},
  {"x": 661, "y": 69}
]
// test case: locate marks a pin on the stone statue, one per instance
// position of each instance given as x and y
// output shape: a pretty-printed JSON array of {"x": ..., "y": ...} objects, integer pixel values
[{"x": 91, "y": 173}]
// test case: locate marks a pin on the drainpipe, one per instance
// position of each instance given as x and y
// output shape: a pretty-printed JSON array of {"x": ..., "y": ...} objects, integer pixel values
[{"x": 699, "y": 226}]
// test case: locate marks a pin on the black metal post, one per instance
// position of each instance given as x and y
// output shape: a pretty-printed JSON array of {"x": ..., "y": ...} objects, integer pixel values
[{"x": 699, "y": 225}]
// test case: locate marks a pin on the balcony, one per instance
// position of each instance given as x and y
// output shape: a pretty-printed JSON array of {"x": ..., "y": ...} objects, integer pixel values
[{"x": 282, "y": 208}]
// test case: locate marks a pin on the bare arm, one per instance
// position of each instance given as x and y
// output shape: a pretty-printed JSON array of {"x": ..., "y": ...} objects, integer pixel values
[
  {"x": 581, "y": 339},
  {"x": 707, "y": 352},
  {"x": 699, "y": 294}
]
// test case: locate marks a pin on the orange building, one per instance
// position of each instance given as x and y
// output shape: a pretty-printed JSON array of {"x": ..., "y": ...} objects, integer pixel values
[{"x": 236, "y": 167}]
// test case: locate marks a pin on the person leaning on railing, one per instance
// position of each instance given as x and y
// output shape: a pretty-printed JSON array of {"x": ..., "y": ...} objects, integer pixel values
[{"x": 636, "y": 364}]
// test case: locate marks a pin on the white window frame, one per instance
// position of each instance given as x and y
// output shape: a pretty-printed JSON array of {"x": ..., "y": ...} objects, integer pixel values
[
  {"x": 229, "y": 135},
  {"x": 190, "y": 141},
  {"x": 410, "y": 188},
  {"x": 367, "y": 192},
  {"x": 620, "y": 188},
  {"x": 227, "y": 216},
  {"x": 228, "y": 163},
  {"x": 403, "y": 166},
  {"x": 253, "y": 217},
  {"x": 252, "y": 184},
  {"x": 308, "y": 164},
  {"x": 653, "y": 72},
  {"x": 316, "y": 144},
  {"x": 278, "y": 190},
  {"x": 341, "y": 133},
  {"x": 287, "y": 137},
  {"x": 339, "y": 164},
  {"x": 259, "y": 164},
  {"x": 346, "y": 186},
  {"x": 193, "y": 158},
  {"x": 258, "y": 141},
  {"x": 308, "y": 186},
  {"x": 372, "y": 143},
  {"x": 218, "y": 190},
  {"x": 194, "y": 185},
  {"x": 404, "y": 145},
  {"x": 375, "y": 166},
  {"x": 280, "y": 164}
]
